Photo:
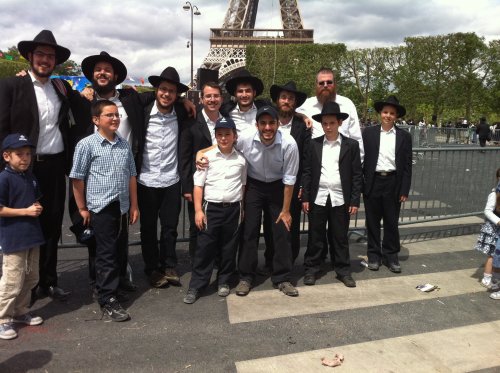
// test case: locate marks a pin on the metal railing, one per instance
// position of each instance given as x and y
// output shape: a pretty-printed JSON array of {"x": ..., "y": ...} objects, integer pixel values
[
  {"x": 444, "y": 136},
  {"x": 447, "y": 182}
]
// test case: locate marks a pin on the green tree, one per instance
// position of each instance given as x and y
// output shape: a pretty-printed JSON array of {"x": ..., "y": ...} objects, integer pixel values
[{"x": 69, "y": 67}]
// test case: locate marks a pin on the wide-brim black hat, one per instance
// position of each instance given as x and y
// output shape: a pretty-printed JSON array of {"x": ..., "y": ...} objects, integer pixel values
[
  {"x": 300, "y": 97},
  {"x": 45, "y": 37},
  {"x": 170, "y": 75},
  {"x": 392, "y": 101},
  {"x": 89, "y": 63},
  {"x": 330, "y": 108},
  {"x": 244, "y": 76}
]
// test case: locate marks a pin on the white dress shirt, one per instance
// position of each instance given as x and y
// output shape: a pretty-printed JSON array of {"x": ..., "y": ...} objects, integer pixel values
[
  {"x": 350, "y": 127},
  {"x": 329, "y": 181},
  {"x": 159, "y": 166},
  {"x": 210, "y": 125},
  {"x": 50, "y": 139},
  {"x": 286, "y": 127},
  {"x": 387, "y": 152},
  {"x": 224, "y": 177},
  {"x": 243, "y": 119}
]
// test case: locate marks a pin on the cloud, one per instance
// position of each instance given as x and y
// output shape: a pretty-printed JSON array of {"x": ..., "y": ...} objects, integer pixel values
[{"x": 151, "y": 35}]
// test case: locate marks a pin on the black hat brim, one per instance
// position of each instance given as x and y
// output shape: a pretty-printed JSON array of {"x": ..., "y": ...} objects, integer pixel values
[
  {"x": 89, "y": 63},
  {"x": 27, "y": 46},
  {"x": 379, "y": 105},
  {"x": 300, "y": 97},
  {"x": 256, "y": 83},
  {"x": 341, "y": 116},
  {"x": 155, "y": 81}
]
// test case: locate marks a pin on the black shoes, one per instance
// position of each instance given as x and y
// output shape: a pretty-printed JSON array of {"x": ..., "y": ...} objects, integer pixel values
[
  {"x": 309, "y": 279},
  {"x": 347, "y": 280},
  {"x": 191, "y": 296},
  {"x": 54, "y": 292},
  {"x": 114, "y": 310},
  {"x": 394, "y": 267},
  {"x": 373, "y": 266}
]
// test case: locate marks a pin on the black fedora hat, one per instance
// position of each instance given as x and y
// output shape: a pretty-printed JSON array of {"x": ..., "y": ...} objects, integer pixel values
[
  {"x": 244, "y": 76},
  {"x": 392, "y": 101},
  {"x": 330, "y": 108},
  {"x": 170, "y": 75},
  {"x": 275, "y": 91},
  {"x": 89, "y": 63},
  {"x": 45, "y": 37}
]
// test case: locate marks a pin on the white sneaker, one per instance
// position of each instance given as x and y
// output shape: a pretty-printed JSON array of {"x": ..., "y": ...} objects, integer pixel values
[
  {"x": 495, "y": 295},
  {"x": 28, "y": 319},
  {"x": 486, "y": 282},
  {"x": 7, "y": 331}
]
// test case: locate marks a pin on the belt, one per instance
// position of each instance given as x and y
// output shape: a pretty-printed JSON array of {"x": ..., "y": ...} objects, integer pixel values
[
  {"x": 47, "y": 157},
  {"x": 224, "y": 204},
  {"x": 384, "y": 173}
]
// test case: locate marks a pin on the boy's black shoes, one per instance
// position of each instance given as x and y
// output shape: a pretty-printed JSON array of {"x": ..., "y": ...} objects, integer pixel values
[{"x": 114, "y": 310}]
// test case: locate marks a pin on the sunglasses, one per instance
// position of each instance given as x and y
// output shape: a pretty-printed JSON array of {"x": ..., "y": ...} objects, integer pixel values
[{"x": 326, "y": 82}]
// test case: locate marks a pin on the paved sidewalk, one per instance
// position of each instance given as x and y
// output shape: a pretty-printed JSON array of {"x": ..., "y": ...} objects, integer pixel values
[{"x": 383, "y": 325}]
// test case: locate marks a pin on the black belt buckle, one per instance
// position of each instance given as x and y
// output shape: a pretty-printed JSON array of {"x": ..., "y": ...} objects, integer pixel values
[{"x": 39, "y": 158}]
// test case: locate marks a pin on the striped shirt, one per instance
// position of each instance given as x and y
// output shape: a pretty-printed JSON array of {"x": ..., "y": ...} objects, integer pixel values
[{"x": 106, "y": 167}]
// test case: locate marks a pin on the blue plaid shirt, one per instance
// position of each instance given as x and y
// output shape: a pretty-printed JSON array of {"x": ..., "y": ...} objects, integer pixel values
[{"x": 106, "y": 167}]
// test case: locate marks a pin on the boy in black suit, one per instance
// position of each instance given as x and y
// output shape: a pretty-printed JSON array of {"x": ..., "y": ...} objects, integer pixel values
[
  {"x": 387, "y": 179},
  {"x": 332, "y": 184}
]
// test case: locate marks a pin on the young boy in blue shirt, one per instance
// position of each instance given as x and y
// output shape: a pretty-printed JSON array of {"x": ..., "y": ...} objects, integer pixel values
[
  {"x": 105, "y": 190},
  {"x": 20, "y": 235}
]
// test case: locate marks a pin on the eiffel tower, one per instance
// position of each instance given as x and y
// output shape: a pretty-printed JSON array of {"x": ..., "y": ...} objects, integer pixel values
[{"x": 228, "y": 44}]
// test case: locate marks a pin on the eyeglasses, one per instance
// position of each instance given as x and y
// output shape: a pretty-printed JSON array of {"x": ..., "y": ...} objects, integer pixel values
[
  {"x": 43, "y": 54},
  {"x": 209, "y": 97},
  {"x": 326, "y": 82},
  {"x": 111, "y": 115}
]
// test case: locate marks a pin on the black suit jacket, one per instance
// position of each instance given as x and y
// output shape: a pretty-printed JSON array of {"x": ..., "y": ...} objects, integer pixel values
[
  {"x": 349, "y": 169},
  {"x": 19, "y": 110},
  {"x": 371, "y": 142},
  {"x": 196, "y": 137},
  {"x": 302, "y": 136},
  {"x": 182, "y": 122}
]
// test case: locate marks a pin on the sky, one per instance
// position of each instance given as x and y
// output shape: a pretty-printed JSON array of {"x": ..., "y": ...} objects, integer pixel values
[{"x": 149, "y": 35}]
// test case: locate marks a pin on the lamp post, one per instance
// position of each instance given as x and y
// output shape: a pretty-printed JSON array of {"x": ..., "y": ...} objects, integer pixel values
[{"x": 194, "y": 11}]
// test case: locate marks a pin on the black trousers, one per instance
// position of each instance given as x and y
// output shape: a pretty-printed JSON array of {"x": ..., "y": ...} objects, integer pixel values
[
  {"x": 164, "y": 203},
  {"x": 295, "y": 210},
  {"x": 482, "y": 141},
  {"x": 260, "y": 195},
  {"x": 50, "y": 173},
  {"x": 76, "y": 219},
  {"x": 111, "y": 241},
  {"x": 337, "y": 219},
  {"x": 218, "y": 242},
  {"x": 193, "y": 230},
  {"x": 383, "y": 204}
]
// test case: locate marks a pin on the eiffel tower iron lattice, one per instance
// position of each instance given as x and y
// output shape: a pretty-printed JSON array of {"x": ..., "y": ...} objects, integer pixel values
[{"x": 228, "y": 44}]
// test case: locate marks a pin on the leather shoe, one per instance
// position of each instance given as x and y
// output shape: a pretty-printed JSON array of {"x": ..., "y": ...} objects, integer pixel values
[
  {"x": 347, "y": 280},
  {"x": 309, "y": 279},
  {"x": 127, "y": 285},
  {"x": 373, "y": 266},
  {"x": 394, "y": 267},
  {"x": 243, "y": 288},
  {"x": 54, "y": 292},
  {"x": 172, "y": 277}
]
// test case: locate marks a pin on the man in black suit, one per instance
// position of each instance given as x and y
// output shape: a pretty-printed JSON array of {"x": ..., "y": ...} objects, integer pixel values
[
  {"x": 387, "y": 179},
  {"x": 37, "y": 107},
  {"x": 483, "y": 132},
  {"x": 287, "y": 98},
  {"x": 199, "y": 135},
  {"x": 159, "y": 177},
  {"x": 331, "y": 179}
]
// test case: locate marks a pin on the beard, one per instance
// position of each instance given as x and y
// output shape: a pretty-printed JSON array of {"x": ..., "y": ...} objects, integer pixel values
[
  {"x": 104, "y": 89},
  {"x": 286, "y": 111},
  {"x": 325, "y": 96},
  {"x": 39, "y": 73}
]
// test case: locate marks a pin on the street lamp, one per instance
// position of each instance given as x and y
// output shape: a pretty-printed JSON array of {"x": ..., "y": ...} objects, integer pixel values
[{"x": 194, "y": 11}]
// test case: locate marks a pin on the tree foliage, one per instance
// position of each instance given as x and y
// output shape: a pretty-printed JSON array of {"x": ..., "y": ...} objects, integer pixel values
[{"x": 447, "y": 76}]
